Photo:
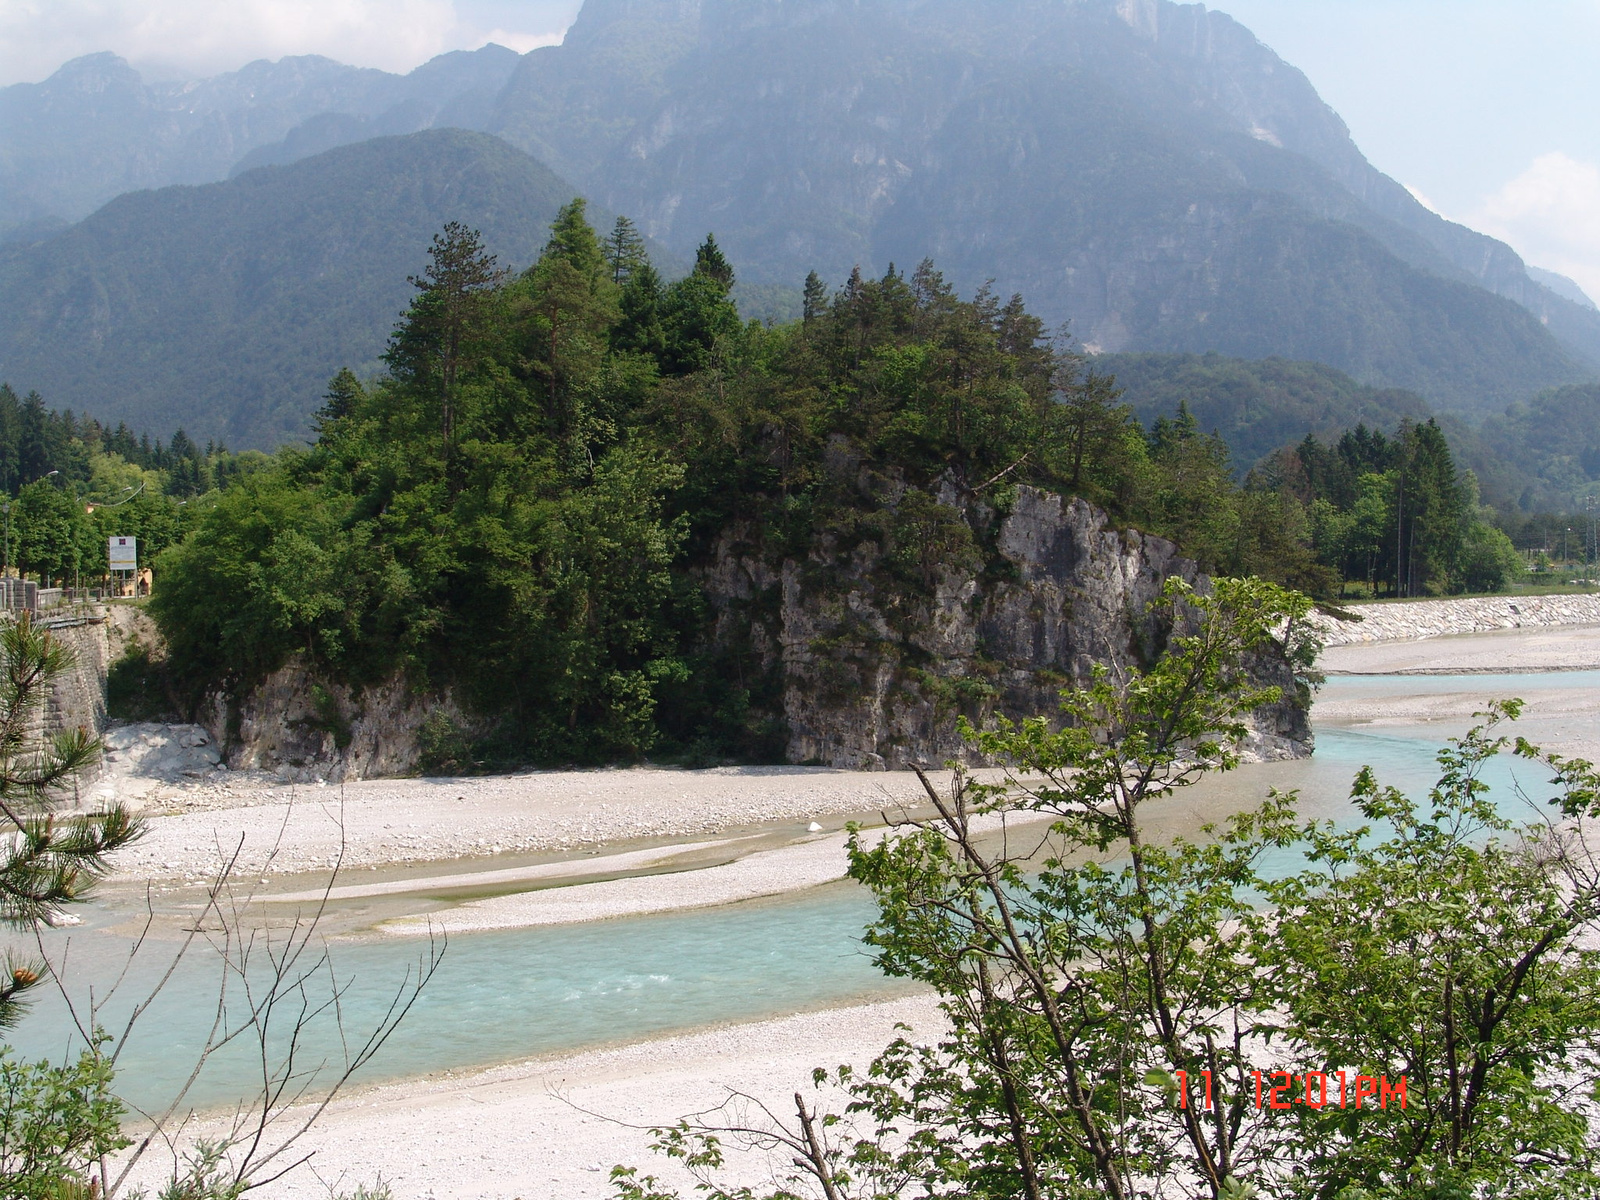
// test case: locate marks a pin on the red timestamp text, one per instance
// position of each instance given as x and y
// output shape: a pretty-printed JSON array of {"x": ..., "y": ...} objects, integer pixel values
[{"x": 1313, "y": 1089}]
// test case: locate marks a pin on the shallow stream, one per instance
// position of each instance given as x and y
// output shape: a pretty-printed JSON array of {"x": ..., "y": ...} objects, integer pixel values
[{"x": 513, "y": 994}]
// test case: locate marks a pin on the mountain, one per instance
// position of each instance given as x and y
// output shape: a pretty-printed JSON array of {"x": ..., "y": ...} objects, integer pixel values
[
  {"x": 1149, "y": 171},
  {"x": 1259, "y": 406},
  {"x": 1552, "y": 443},
  {"x": 95, "y": 129},
  {"x": 225, "y": 309},
  {"x": 1562, "y": 286}
]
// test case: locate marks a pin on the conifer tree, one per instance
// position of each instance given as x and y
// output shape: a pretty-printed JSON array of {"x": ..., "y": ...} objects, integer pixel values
[
  {"x": 625, "y": 251},
  {"x": 428, "y": 349},
  {"x": 640, "y": 329},
  {"x": 343, "y": 396},
  {"x": 816, "y": 297},
  {"x": 47, "y": 863},
  {"x": 710, "y": 262},
  {"x": 573, "y": 240}
]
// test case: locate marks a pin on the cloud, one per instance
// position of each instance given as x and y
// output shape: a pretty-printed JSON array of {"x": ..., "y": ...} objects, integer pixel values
[
  {"x": 194, "y": 38},
  {"x": 1551, "y": 215}
]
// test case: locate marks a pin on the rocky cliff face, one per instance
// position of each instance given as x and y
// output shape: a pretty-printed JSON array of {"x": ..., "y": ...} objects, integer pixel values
[
  {"x": 871, "y": 653},
  {"x": 302, "y": 728},
  {"x": 874, "y": 674}
]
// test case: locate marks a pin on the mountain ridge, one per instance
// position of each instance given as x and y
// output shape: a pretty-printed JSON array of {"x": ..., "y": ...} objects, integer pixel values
[
  {"x": 95, "y": 129},
  {"x": 673, "y": 142},
  {"x": 225, "y": 308},
  {"x": 1147, "y": 171}
]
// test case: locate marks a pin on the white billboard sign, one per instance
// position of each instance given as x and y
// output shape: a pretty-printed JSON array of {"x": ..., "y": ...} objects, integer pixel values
[{"x": 124, "y": 553}]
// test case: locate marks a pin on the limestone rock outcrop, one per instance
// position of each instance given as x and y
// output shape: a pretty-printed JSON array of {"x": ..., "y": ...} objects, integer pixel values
[
  {"x": 873, "y": 675},
  {"x": 303, "y": 728}
]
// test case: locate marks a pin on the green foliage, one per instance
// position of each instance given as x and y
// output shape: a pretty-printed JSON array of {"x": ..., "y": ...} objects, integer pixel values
[
  {"x": 52, "y": 539},
  {"x": 474, "y": 518},
  {"x": 1097, "y": 990},
  {"x": 47, "y": 863},
  {"x": 625, "y": 251},
  {"x": 77, "y": 483},
  {"x": 136, "y": 686},
  {"x": 204, "y": 1175},
  {"x": 1441, "y": 943},
  {"x": 521, "y": 507},
  {"x": 1553, "y": 441},
  {"x": 1486, "y": 560},
  {"x": 442, "y": 747},
  {"x": 55, "y": 1123},
  {"x": 1394, "y": 510},
  {"x": 259, "y": 578},
  {"x": 1257, "y": 406}
]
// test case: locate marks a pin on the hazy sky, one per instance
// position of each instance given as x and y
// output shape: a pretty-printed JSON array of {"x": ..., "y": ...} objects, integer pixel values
[{"x": 1487, "y": 109}]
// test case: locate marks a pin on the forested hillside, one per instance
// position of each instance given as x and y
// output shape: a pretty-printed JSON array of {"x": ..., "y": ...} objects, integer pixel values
[
  {"x": 1257, "y": 406},
  {"x": 524, "y": 506},
  {"x": 1552, "y": 443},
  {"x": 225, "y": 308}
]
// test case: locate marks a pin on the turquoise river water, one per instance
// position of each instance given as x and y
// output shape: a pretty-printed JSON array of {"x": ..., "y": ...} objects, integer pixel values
[{"x": 507, "y": 995}]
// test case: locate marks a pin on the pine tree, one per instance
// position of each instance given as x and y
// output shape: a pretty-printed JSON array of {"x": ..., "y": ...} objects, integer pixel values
[
  {"x": 625, "y": 251},
  {"x": 46, "y": 863},
  {"x": 343, "y": 396},
  {"x": 640, "y": 328},
  {"x": 816, "y": 298},
  {"x": 37, "y": 448},
  {"x": 710, "y": 262},
  {"x": 439, "y": 331},
  {"x": 573, "y": 240}
]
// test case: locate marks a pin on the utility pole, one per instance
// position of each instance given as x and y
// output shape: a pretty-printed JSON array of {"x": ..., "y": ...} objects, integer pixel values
[{"x": 1592, "y": 536}]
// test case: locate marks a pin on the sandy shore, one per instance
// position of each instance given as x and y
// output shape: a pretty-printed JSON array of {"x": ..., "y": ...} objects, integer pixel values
[
  {"x": 1558, "y": 648},
  {"x": 572, "y": 846},
  {"x": 399, "y": 822},
  {"x": 1558, "y": 715},
  {"x": 555, "y": 1127}
]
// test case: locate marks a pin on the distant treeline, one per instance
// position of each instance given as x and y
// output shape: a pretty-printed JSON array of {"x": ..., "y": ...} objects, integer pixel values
[
  {"x": 71, "y": 482},
  {"x": 35, "y": 441}
]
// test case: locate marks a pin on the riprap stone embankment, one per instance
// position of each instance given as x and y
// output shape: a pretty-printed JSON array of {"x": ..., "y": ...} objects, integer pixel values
[{"x": 1417, "y": 619}]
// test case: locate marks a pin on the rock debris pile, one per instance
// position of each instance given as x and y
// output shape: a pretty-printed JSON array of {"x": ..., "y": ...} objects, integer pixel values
[{"x": 1436, "y": 618}]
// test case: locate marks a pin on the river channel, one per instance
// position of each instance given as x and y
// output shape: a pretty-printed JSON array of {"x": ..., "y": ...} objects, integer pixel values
[{"x": 505, "y": 995}]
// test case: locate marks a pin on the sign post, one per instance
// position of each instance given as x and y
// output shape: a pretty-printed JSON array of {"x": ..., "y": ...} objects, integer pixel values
[{"x": 123, "y": 555}]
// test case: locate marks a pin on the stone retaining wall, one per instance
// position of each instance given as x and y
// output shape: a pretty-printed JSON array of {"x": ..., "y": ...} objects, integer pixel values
[{"x": 1417, "y": 619}]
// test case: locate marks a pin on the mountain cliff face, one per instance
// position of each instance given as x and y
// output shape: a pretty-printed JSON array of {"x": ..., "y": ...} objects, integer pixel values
[
  {"x": 871, "y": 674},
  {"x": 874, "y": 677},
  {"x": 1147, "y": 170}
]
